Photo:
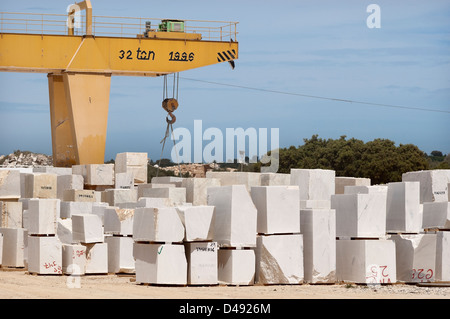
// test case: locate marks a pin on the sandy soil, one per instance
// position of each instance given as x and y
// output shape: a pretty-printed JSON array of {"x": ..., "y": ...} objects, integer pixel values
[{"x": 22, "y": 285}]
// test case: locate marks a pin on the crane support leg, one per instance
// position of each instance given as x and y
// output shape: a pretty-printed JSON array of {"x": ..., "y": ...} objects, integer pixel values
[{"x": 79, "y": 105}]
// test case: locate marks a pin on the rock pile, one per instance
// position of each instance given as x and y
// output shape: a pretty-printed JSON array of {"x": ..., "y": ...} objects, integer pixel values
[{"x": 25, "y": 159}]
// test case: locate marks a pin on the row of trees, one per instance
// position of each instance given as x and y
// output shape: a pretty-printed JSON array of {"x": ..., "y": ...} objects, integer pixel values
[{"x": 380, "y": 160}]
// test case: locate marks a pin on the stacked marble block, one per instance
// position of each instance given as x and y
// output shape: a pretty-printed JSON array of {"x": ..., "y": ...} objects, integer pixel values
[
  {"x": 424, "y": 255},
  {"x": 235, "y": 226},
  {"x": 279, "y": 244},
  {"x": 317, "y": 223},
  {"x": 158, "y": 248},
  {"x": 364, "y": 255},
  {"x": 12, "y": 234}
]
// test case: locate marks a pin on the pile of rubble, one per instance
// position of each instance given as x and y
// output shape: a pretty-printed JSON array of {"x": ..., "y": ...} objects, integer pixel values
[
  {"x": 233, "y": 228},
  {"x": 25, "y": 159}
]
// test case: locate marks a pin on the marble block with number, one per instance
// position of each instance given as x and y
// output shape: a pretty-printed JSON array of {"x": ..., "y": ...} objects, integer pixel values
[
  {"x": 236, "y": 266},
  {"x": 366, "y": 261},
  {"x": 360, "y": 215},
  {"x": 423, "y": 257},
  {"x": 134, "y": 163},
  {"x": 9, "y": 184},
  {"x": 120, "y": 254},
  {"x": 43, "y": 215},
  {"x": 39, "y": 185},
  {"x": 96, "y": 258},
  {"x": 279, "y": 259},
  {"x": 314, "y": 184},
  {"x": 11, "y": 214},
  {"x": 87, "y": 228},
  {"x": 403, "y": 211},
  {"x": 160, "y": 264},
  {"x": 67, "y": 182},
  {"x": 196, "y": 189},
  {"x": 44, "y": 255},
  {"x": 202, "y": 263},
  {"x": 79, "y": 195},
  {"x": 13, "y": 247},
  {"x": 436, "y": 215},
  {"x": 124, "y": 180},
  {"x": 157, "y": 225},
  {"x": 235, "y": 216},
  {"x": 73, "y": 259},
  {"x": 319, "y": 245},
  {"x": 118, "y": 221},
  {"x": 278, "y": 208},
  {"x": 433, "y": 184},
  {"x": 198, "y": 222}
]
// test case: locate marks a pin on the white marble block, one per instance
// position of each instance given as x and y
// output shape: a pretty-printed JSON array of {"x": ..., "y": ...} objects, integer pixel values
[
  {"x": 99, "y": 174},
  {"x": 416, "y": 257},
  {"x": 177, "y": 195},
  {"x": 53, "y": 170},
  {"x": 436, "y": 215},
  {"x": 79, "y": 195},
  {"x": 66, "y": 182},
  {"x": 96, "y": 258},
  {"x": 157, "y": 225},
  {"x": 315, "y": 204},
  {"x": 160, "y": 264},
  {"x": 198, "y": 222},
  {"x": 43, "y": 215},
  {"x": 13, "y": 247},
  {"x": 314, "y": 184},
  {"x": 67, "y": 209},
  {"x": 360, "y": 215},
  {"x": 319, "y": 245},
  {"x": 118, "y": 221},
  {"x": 196, "y": 189},
  {"x": 64, "y": 231},
  {"x": 274, "y": 179},
  {"x": 366, "y": 261},
  {"x": 433, "y": 184},
  {"x": 236, "y": 266},
  {"x": 403, "y": 213},
  {"x": 124, "y": 180},
  {"x": 235, "y": 216},
  {"x": 73, "y": 259},
  {"x": 9, "y": 184},
  {"x": 39, "y": 185},
  {"x": 364, "y": 189},
  {"x": 117, "y": 196},
  {"x": 11, "y": 214},
  {"x": 443, "y": 256},
  {"x": 87, "y": 228},
  {"x": 134, "y": 163},
  {"x": 44, "y": 255},
  {"x": 202, "y": 263},
  {"x": 341, "y": 182},
  {"x": 120, "y": 254},
  {"x": 248, "y": 179},
  {"x": 278, "y": 209},
  {"x": 167, "y": 180},
  {"x": 279, "y": 259}
]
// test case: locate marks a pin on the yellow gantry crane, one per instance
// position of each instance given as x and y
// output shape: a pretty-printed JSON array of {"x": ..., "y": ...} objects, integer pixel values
[{"x": 79, "y": 66}]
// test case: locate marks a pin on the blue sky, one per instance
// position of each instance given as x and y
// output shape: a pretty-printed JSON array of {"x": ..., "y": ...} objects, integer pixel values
[{"x": 318, "y": 48}]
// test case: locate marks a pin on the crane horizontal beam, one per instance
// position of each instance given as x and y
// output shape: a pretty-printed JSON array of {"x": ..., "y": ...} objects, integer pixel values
[{"x": 20, "y": 52}]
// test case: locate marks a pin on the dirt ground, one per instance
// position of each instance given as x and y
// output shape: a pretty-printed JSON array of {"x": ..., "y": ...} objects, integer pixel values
[{"x": 19, "y": 284}]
